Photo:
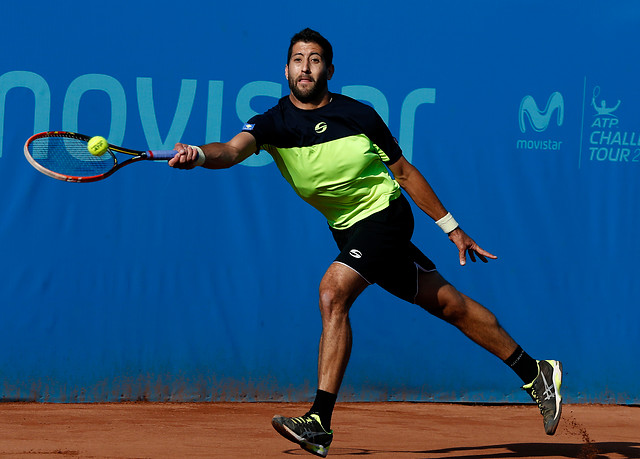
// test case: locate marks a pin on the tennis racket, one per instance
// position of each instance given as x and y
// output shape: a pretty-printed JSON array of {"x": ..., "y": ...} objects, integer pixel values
[{"x": 65, "y": 156}]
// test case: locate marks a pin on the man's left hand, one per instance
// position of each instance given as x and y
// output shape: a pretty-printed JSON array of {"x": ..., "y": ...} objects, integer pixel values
[{"x": 465, "y": 244}]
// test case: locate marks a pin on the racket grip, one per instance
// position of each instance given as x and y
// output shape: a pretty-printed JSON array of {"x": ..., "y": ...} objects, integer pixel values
[{"x": 161, "y": 155}]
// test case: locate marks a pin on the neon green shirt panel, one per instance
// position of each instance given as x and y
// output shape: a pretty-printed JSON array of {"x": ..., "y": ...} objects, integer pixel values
[{"x": 345, "y": 179}]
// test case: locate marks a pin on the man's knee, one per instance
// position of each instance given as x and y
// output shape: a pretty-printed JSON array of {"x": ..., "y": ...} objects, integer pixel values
[
  {"x": 339, "y": 288},
  {"x": 444, "y": 301},
  {"x": 453, "y": 306},
  {"x": 333, "y": 300}
]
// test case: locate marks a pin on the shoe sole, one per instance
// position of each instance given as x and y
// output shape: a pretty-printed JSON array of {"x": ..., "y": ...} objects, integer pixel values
[{"x": 290, "y": 435}]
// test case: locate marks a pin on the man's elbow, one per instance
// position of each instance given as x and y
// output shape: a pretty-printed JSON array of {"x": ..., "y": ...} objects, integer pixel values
[{"x": 402, "y": 181}]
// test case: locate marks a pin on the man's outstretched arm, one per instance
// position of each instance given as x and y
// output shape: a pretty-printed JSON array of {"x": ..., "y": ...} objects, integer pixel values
[{"x": 214, "y": 155}]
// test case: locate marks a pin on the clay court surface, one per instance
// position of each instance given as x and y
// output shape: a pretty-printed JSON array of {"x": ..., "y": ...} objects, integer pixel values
[{"x": 376, "y": 430}]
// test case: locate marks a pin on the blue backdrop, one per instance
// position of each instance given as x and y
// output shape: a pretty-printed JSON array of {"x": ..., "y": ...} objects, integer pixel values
[{"x": 159, "y": 284}]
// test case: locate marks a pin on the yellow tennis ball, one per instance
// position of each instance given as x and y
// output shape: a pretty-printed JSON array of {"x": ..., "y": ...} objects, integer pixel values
[{"x": 97, "y": 145}]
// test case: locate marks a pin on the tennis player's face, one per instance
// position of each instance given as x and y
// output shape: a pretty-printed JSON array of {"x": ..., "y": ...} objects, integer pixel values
[{"x": 307, "y": 72}]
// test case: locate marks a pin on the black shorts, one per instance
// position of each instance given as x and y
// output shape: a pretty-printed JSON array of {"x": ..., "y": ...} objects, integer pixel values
[{"x": 379, "y": 248}]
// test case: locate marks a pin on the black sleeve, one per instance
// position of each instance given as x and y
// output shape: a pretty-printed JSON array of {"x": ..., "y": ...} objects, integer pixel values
[
  {"x": 379, "y": 133},
  {"x": 259, "y": 127}
]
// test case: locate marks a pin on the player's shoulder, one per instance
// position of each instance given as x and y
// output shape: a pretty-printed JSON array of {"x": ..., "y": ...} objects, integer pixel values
[
  {"x": 280, "y": 107},
  {"x": 352, "y": 108},
  {"x": 273, "y": 115},
  {"x": 341, "y": 99},
  {"x": 361, "y": 113}
]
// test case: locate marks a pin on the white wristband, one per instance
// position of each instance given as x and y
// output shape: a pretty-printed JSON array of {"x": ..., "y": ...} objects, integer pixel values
[
  {"x": 201, "y": 157},
  {"x": 447, "y": 223}
]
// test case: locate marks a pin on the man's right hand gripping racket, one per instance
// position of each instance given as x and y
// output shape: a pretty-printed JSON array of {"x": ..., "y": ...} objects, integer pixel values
[{"x": 65, "y": 156}]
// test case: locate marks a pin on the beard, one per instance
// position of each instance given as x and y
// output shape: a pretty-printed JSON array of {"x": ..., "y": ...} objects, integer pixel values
[{"x": 312, "y": 93}]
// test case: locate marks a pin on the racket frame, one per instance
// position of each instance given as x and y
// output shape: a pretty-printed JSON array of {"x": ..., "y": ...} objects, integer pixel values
[{"x": 137, "y": 155}]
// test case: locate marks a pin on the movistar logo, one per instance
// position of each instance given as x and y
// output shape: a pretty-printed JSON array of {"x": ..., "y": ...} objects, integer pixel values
[
  {"x": 539, "y": 119},
  {"x": 321, "y": 127}
]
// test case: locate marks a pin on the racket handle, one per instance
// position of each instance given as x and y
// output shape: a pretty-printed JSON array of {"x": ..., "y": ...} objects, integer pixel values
[{"x": 161, "y": 155}]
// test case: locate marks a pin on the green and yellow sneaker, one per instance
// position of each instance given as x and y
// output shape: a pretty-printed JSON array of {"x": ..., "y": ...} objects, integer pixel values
[
  {"x": 307, "y": 431},
  {"x": 545, "y": 391}
]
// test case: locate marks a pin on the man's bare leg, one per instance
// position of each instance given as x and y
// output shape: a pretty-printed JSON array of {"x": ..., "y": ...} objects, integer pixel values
[
  {"x": 440, "y": 298},
  {"x": 339, "y": 288}
]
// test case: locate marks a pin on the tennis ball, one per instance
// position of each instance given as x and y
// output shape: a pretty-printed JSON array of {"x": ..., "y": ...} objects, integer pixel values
[{"x": 97, "y": 145}]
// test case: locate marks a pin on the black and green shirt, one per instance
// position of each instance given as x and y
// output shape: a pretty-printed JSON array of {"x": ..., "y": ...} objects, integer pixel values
[{"x": 334, "y": 157}]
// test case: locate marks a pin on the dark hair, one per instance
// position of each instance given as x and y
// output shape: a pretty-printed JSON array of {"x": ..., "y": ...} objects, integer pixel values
[{"x": 311, "y": 36}]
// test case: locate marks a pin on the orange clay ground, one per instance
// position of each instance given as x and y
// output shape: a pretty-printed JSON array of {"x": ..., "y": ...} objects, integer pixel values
[{"x": 376, "y": 430}]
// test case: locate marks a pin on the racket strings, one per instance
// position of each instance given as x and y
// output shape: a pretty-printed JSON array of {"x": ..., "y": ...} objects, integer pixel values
[{"x": 70, "y": 156}]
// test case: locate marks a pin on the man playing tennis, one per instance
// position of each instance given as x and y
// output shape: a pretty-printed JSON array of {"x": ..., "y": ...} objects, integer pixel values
[{"x": 341, "y": 158}]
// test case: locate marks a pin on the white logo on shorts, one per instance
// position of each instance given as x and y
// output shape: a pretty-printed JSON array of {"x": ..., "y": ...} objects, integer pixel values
[{"x": 355, "y": 253}]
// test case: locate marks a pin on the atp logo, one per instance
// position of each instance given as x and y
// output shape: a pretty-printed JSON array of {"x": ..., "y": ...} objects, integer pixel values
[
  {"x": 539, "y": 120},
  {"x": 610, "y": 139}
]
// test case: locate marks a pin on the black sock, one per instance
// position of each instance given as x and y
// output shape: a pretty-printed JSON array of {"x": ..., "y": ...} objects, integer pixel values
[
  {"x": 523, "y": 365},
  {"x": 323, "y": 407}
]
